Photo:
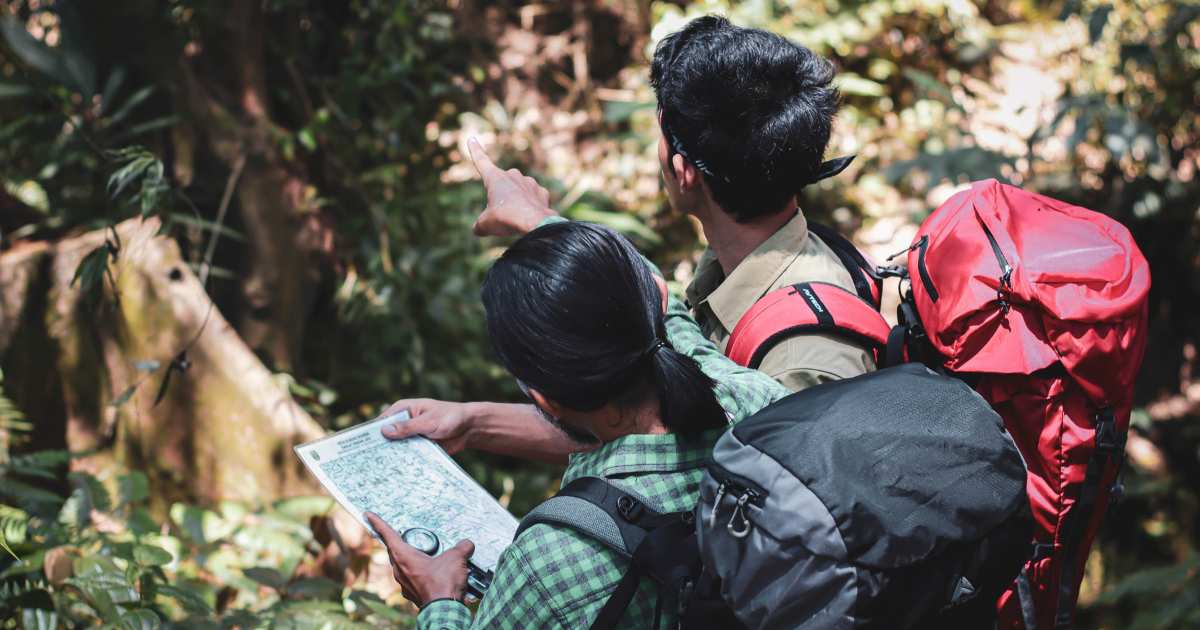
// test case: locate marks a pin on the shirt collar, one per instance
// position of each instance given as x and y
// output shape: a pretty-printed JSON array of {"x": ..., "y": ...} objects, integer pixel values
[
  {"x": 730, "y": 297},
  {"x": 642, "y": 453}
]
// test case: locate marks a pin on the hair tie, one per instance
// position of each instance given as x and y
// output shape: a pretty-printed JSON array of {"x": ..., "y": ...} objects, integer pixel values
[{"x": 654, "y": 348}]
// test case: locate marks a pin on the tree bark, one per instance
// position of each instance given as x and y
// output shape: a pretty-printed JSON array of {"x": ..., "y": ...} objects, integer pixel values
[
  {"x": 91, "y": 375},
  {"x": 289, "y": 238}
]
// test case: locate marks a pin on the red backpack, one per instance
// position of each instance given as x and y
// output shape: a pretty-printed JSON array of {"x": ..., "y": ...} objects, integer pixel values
[{"x": 1041, "y": 306}]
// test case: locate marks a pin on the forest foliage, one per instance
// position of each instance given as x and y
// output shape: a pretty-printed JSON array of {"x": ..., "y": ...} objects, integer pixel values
[{"x": 307, "y": 158}]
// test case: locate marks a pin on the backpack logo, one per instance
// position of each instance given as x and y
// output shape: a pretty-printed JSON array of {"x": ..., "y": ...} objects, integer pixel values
[{"x": 813, "y": 301}]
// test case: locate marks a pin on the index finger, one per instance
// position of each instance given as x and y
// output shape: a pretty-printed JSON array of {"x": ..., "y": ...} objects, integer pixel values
[
  {"x": 390, "y": 538},
  {"x": 483, "y": 163}
]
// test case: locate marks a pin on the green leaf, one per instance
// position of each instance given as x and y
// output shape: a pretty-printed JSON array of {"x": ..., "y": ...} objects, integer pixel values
[
  {"x": 191, "y": 601},
  {"x": 90, "y": 272},
  {"x": 31, "y": 563},
  {"x": 619, "y": 221},
  {"x": 307, "y": 139},
  {"x": 212, "y": 226},
  {"x": 1097, "y": 21},
  {"x": 37, "y": 55},
  {"x": 122, "y": 177},
  {"x": 301, "y": 509},
  {"x": 5, "y": 547},
  {"x": 32, "y": 496},
  {"x": 133, "y": 488},
  {"x": 39, "y": 619},
  {"x": 314, "y": 588},
  {"x": 850, "y": 83},
  {"x": 266, "y": 576},
  {"x": 140, "y": 619},
  {"x": 13, "y": 90},
  {"x": 124, "y": 397},
  {"x": 200, "y": 525},
  {"x": 930, "y": 86},
  {"x": 620, "y": 111},
  {"x": 148, "y": 126},
  {"x": 302, "y": 614},
  {"x": 130, "y": 104},
  {"x": 150, "y": 555},
  {"x": 376, "y": 605},
  {"x": 1151, "y": 581},
  {"x": 112, "y": 85},
  {"x": 97, "y": 494},
  {"x": 96, "y": 592}
]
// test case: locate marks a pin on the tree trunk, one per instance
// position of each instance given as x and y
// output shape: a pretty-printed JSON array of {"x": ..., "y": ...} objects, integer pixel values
[
  {"x": 90, "y": 376},
  {"x": 289, "y": 239}
]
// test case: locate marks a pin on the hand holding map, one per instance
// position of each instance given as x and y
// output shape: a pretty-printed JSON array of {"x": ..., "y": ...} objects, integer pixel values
[{"x": 409, "y": 483}]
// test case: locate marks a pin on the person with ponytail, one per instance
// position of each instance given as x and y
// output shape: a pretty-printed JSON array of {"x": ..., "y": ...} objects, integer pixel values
[{"x": 580, "y": 319}]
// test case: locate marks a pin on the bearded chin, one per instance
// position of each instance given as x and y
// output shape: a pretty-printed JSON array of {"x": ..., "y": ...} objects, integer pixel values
[{"x": 571, "y": 432}]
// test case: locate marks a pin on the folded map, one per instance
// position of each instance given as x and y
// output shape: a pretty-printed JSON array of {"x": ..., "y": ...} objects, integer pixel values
[{"x": 409, "y": 483}]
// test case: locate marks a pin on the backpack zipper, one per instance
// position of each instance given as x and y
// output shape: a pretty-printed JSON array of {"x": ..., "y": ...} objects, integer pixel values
[
  {"x": 1006, "y": 269},
  {"x": 745, "y": 492},
  {"x": 926, "y": 280}
]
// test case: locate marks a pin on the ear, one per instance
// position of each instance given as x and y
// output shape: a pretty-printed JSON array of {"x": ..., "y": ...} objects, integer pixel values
[
  {"x": 547, "y": 405},
  {"x": 685, "y": 173},
  {"x": 662, "y": 290}
]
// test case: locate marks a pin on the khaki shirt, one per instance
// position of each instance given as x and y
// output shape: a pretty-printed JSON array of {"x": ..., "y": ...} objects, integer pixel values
[{"x": 790, "y": 256}]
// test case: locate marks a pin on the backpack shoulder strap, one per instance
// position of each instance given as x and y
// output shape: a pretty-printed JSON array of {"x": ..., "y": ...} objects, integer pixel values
[
  {"x": 621, "y": 521},
  {"x": 867, "y": 282},
  {"x": 601, "y": 511},
  {"x": 806, "y": 308}
]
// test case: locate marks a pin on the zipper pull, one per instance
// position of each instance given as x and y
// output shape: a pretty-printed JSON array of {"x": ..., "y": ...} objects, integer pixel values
[
  {"x": 915, "y": 244},
  {"x": 712, "y": 516},
  {"x": 1005, "y": 288},
  {"x": 740, "y": 510}
]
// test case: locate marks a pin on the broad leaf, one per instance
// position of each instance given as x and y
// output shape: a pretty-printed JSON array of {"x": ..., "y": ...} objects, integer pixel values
[
  {"x": 266, "y": 576},
  {"x": 150, "y": 555}
]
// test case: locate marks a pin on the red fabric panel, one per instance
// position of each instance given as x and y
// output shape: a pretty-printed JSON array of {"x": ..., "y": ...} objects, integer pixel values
[
  {"x": 1075, "y": 272},
  {"x": 785, "y": 308}
]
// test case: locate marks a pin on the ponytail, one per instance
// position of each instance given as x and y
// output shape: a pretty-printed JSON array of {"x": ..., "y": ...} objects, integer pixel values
[
  {"x": 573, "y": 311},
  {"x": 685, "y": 393}
]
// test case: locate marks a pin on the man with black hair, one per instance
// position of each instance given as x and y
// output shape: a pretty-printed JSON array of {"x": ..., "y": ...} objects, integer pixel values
[{"x": 745, "y": 117}]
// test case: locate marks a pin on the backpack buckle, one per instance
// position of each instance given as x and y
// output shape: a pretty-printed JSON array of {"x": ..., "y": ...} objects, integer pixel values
[
  {"x": 1108, "y": 442},
  {"x": 629, "y": 508}
]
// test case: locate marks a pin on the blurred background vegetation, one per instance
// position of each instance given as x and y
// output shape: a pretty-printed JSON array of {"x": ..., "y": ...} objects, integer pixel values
[{"x": 303, "y": 161}]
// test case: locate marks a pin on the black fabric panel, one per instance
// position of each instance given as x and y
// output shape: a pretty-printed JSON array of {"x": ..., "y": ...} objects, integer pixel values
[
  {"x": 851, "y": 259},
  {"x": 906, "y": 461}
]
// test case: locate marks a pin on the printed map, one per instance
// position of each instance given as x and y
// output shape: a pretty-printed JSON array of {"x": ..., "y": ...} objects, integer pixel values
[{"x": 410, "y": 483}]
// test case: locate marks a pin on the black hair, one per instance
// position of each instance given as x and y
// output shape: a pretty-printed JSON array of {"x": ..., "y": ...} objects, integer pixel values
[
  {"x": 752, "y": 110},
  {"x": 574, "y": 312}
]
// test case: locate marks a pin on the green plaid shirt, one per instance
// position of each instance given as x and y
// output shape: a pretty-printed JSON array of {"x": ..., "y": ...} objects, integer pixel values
[{"x": 553, "y": 577}]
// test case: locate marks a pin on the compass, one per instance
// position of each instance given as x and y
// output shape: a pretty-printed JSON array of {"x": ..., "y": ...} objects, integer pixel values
[{"x": 422, "y": 539}]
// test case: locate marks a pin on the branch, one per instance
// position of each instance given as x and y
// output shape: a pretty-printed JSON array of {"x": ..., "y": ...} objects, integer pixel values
[{"x": 226, "y": 197}]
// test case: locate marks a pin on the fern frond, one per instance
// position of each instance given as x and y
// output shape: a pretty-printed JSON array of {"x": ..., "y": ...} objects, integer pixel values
[
  {"x": 13, "y": 424},
  {"x": 43, "y": 460},
  {"x": 19, "y": 588}
]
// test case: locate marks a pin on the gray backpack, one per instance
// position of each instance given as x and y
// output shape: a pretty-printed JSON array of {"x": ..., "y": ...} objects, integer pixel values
[{"x": 893, "y": 500}]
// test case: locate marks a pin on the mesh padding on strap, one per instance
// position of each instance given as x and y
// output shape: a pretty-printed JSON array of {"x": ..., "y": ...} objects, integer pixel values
[{"x": 580, "y": 515}]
